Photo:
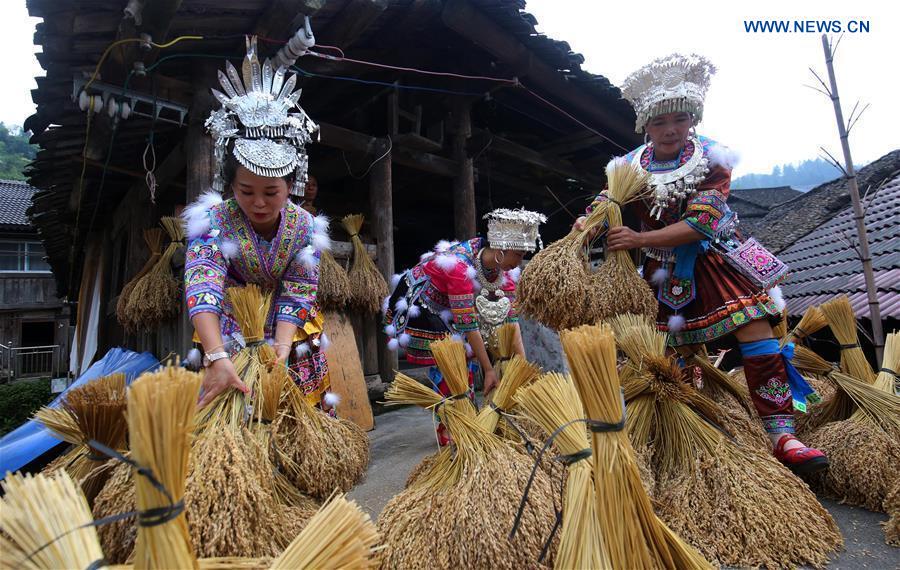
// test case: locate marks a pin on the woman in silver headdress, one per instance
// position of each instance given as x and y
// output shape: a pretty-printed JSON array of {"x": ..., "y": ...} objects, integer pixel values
[
  {"x": 258, "y": 235},
  {"x": 710, "y": 282},
  {"x": 465, "y": 289}
]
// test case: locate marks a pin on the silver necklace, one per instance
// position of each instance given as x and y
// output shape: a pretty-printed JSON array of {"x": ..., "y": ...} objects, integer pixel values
[
  {"x": 486, "y": 285},
  {"x": 491, "y": 314},
  {"x": 673, "y": 186}
]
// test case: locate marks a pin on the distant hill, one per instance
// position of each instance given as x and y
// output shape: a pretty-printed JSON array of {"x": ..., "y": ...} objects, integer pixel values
[
  {"x": 802, "y": 176},
  {"x": 15, "y": 152}
]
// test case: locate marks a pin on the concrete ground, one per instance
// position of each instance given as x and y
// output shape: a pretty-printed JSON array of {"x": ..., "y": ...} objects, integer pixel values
[{"x": 402, "y": 437}]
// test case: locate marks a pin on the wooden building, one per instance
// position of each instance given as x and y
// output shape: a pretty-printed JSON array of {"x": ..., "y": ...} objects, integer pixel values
[{"x": 423, "y": 155}]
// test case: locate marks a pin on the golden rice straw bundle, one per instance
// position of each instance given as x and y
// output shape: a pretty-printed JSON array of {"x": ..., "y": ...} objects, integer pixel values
[
  {"x": 886, "y": 380},
  {"x": 632, "y": 534},
  {"x": 812, "y": 321},
  {"x": 94, "y": 411},
  {"x": 863, "y": 463},
  {"x": 340, "y": 535},
  {"x": 717, "y": 494},
  {"x": 504, "y": 347},
  {"x": 220, "y": 563},
  {"x": 554, "y": 402},
  {"x": 892, "y": 508},
  {"x": 156, "y": 296},
  {"x": 334, "y": 290},
  {"x": 231, "y": 504},
  {"x": 161, "y": 408},
  {"x": 317, "y": 453},
  {"x": 367, "y": 284},
  {"x": 555, "y": 288},
  {"x": 842, "y": 322},
  {"x": 37, "y": 516},
  {"x": 117, "y": 496},
  {"x": 476, "y": 483},
  {"x": 616, "y": 286},
  {"x": 153, "y": 238},
  {"x": 518, "y": 373},
  {"x": 738, "y": 416}
]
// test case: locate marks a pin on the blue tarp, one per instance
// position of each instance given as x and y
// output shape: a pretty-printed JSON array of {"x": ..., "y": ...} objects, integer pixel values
[{"x": 31, "y": 439}]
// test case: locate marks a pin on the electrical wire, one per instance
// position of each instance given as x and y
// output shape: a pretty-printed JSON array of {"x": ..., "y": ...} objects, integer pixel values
[
  {"x": 374, "y": 162},
  {"x": 110, "y": 47}
]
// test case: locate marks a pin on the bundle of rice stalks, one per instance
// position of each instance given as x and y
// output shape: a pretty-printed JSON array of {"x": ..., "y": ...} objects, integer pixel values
[
  {"x": 862, "y": 461},
  {"x": 95, "y": 411},
  {"x": 718, "y": 495},
  {"x": 616, "y": 286},
  {"x": 334, "y": 291},
  {"x": 117, "y": 496},
  {"x": 517, "y": 373},
  {"x": 892, "y": 508},
  {"x": 842, "y": 322},
  {"x": 457, "y": 513},
  {"x": 38, "y": 515},
  {"x": 153, "y": 238},
  {"x": 738, "y": 416},
  {"x": 886, "y": 381},
  {"x": 161, "y": 408},
  {"x": 504, "y": 346},
  {"x": 317, "y": 453},
  {"x": 340, "y": 535},
  {"x": 812, "y": 321},
  {"x": 367, "y": 285},
  {"x": 555, "y": 287},
  {"x": 864, "y": 450},
  {"x": 231, "y": 503},
  {"x": 156, "y": 296},
  {"x": 554, "y": 402},
  {"x": 632, "y": 535}
]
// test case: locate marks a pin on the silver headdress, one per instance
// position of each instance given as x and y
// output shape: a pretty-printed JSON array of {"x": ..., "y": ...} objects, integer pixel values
[
  {"x": 671, "y": 84},
  {"x": 268, "y": 140},
  {"x": 514, "y": 229}
]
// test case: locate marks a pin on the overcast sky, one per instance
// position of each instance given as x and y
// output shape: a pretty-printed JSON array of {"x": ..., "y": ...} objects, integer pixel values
[{"x": 757, "y": 103}]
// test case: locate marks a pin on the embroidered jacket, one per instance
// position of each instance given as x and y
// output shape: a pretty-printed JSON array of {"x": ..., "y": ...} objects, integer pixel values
[
  {"x": 452, "y": 284},
  {"x": 223, "y": 251}
]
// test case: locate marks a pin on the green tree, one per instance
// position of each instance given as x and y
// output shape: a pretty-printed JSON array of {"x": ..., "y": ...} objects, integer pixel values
[{"x": 15, "y": 152}]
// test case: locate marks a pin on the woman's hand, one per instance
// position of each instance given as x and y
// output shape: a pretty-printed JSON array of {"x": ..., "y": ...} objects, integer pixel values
[
  {"x": 219, "y": 377},
  {"x": 579, "y": 225},
  {"x": 282, "y": 352},
  {"x": 490, "y": 381},
  {"x": 623, "y": 237}
]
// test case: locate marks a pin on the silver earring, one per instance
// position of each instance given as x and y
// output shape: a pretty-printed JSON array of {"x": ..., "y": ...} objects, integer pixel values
[
  {"x": 646, "y": 138},
  {"x": 499, "y": 260}
]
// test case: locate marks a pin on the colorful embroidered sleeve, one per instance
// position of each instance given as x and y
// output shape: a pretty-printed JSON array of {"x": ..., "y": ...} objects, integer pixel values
[
  {"x": 297, "y": 294},
  {"x": 204, "y": 274},
  {"x": 457, "y": 285},
  {"x": 706, "y": 209},
  {"x": 509, "y": 289}
]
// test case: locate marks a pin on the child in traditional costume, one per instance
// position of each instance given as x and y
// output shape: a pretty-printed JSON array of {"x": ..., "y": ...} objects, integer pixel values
[
  {"x": 258, "y": 235},
  {"x": 464, "y": 289},
  {"x": 709, "y": 281}
]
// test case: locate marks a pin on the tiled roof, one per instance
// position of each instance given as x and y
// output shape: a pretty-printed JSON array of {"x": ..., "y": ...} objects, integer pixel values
[
  {"x": 824, "y": 264},
  {"x": 15, "y": 198},
  {"x": 766, "y": 197},
  {"x": 790, "y": 221}
]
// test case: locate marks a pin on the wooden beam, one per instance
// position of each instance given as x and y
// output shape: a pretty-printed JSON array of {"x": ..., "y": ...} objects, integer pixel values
[
  {"x": 352, "y": 21},
  {"x": 464, "y": 214},
  {"x": 508, "y": 148},
  {"x": 382, "y": 215},
  {"x": 472, "y": 24}
]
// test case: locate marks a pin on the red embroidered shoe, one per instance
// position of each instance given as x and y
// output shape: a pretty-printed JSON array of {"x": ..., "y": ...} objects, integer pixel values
[{"x": 800, "y": 460}]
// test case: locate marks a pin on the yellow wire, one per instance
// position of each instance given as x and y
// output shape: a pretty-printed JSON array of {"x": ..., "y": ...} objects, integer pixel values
[{"x": 133, "y": 40}]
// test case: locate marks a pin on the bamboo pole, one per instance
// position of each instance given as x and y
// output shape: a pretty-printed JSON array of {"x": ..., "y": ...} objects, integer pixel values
[{"x": 858, "y": 216}]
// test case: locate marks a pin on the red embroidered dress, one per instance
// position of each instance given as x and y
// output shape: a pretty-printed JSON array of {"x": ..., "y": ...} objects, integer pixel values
[
  {"x": 715, "y": 299},
  {"x": 437, "y": 297}
]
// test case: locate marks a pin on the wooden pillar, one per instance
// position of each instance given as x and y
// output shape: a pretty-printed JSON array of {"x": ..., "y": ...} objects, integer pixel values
[
  {"x": 464, "y": 222},
  {"x": 198, "y": 149},
  {"x": 382, "y": 208}
]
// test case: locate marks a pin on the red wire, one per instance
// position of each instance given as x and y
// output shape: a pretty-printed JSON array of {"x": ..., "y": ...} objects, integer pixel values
[{"x": 548, "y": 103}]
